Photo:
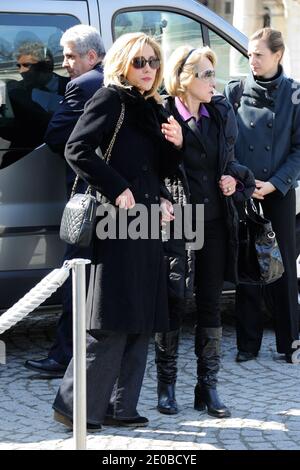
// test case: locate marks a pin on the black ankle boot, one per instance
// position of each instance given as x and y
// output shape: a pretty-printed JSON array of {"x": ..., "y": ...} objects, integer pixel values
[
  {"x": 207, "y": 398},
  {"x": 166, "y": 399},
  {"x": 166, "y": 349},
  {"x": 207, "y": 350}
]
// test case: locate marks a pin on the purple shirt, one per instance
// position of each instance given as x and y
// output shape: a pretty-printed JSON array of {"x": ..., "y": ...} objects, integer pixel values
[
  {"x": 185, "y": 113},
  {"x": 203, "y": 112}
]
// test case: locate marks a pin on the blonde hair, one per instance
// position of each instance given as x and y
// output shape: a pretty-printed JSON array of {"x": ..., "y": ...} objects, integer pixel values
[
  {"x": 272, "y": 37},
  {"x": 180, "y": 68},
  {"x": 119, "y": 56}
]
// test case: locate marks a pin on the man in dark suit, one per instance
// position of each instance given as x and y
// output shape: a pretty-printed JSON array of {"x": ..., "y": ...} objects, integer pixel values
[{"x": 83, "y": 53}]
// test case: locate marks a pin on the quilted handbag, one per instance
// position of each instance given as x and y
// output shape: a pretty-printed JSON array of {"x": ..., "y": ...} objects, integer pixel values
[
  {"x": 78, "y": 220},
  {"x": 79, "y": 217},
  {"x": 259, "y": 257}
]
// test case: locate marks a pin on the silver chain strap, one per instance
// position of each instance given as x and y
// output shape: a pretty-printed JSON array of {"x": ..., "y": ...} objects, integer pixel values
[{"x": 107, "y": 154}]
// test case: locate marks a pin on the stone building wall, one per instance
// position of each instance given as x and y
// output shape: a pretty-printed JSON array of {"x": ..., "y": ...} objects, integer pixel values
[{"x": 250, "y": 15}]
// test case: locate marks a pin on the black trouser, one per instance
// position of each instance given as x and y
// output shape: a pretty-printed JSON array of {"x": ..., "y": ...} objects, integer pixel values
[
  {"x": 62, "y": 348},
  {"x": 176, "y": 310},
  {"x": 209, "y": 272},
  {"x": 115, "y": 368},
  {"x": 209, "y": 279},
  {"x": 281, "y": 296}
]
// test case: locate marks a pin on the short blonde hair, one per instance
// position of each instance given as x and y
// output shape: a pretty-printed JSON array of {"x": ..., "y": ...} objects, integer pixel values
[
  {"x": 119, "y": 56},
  {"x": 180, "y": 68}
]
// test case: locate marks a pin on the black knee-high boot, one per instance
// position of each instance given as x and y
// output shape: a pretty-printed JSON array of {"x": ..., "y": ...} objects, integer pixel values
[
  {"x": 207, "y": 350},
  {"x": 166, "y": 353}
]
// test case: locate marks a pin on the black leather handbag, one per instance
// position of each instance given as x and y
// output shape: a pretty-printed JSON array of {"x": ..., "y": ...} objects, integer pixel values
[
  {"x": 259, "y": 257},
  {"x": 79, "y": 217}
]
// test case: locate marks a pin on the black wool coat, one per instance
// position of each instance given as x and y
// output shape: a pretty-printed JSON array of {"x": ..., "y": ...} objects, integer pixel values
[
  {"x": 128, "y": 291},
  {"x": 179, "y": 260}
]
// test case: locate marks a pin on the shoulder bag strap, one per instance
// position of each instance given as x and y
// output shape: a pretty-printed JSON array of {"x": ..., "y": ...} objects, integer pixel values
[{"x": 107, "y": 154}]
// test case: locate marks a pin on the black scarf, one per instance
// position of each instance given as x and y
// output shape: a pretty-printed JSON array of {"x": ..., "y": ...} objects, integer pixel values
[{"x": 148, "y": 113}]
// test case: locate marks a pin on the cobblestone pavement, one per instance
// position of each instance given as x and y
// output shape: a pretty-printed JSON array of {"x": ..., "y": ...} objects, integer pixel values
[{"x": 264, "y": 396}]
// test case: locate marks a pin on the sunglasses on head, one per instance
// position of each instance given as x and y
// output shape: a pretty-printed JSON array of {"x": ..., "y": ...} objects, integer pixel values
[
  {"x": 140, "y": 62},
  {"x": 27, "y": 65},
  {"x": 206, "y": 75}
]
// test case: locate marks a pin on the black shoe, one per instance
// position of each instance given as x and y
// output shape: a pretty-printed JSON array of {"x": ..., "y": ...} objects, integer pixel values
[
  {"x": 62, "y": 419},
  {"x": 138, "y": 422},
  {"x": 207, "y": 398},
  {"x": 169, "y": 408},
  {"x": 47, "y": 366},
  {"x": 244, "y": 356},
  {"x": 288, "y": 358},
  {"x": 167, "y": 403}
]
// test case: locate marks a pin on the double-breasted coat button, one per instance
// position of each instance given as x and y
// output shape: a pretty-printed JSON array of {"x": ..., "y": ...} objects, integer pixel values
[
  {"x": 252, "y": 124},
  {"x": 267, "y": 147},
  {"x": 156, "y": 198},
  {"x": 205, "y": 200},
  {"x": 251, "y": 147},
  {"x": 289, "y": 180},
  {"x": 147, "y": 196},
  {"x": 270, "y": 124},
  {"x": 265, "y": 170}
]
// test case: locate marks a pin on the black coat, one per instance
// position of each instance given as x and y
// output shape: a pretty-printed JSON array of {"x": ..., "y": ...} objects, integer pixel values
[
  {"x": 128, "y": 282},
  {"x": 78, "y": 92},
  {"x": 180, "y": 261}
]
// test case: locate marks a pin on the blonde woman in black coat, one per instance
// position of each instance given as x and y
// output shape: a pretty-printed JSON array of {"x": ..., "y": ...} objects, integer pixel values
[
  {"x": 127, "y": 298},
  {"x": 209, "y": 175}
]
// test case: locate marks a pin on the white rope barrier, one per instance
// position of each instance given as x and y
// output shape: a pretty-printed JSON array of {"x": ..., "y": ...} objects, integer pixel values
[{"x": 35, "y": 297}]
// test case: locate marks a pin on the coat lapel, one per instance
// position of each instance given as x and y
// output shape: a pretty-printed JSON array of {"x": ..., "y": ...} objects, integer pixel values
[{"x": 196, "y": 132}]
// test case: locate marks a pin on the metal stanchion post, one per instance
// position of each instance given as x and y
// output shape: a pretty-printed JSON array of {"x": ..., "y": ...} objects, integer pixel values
[{"x": 79, "y": 352}]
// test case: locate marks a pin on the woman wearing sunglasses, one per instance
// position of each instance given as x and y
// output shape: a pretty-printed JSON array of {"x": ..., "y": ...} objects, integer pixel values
[
  {"x": 127, "y": 298},
  {"x": 210, "y": 176}
]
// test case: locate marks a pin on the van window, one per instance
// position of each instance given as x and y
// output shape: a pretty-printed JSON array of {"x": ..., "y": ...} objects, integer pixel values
[
  {"x": 231, "y": 63},
  {"x": 32, "y": 81},
  {"x": 171, "y": 30}
]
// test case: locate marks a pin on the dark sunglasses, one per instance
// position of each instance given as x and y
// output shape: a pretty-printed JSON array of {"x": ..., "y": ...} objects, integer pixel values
[
  {"x": 140, "y": 62},
  {"x": 27, "y": 65}
]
